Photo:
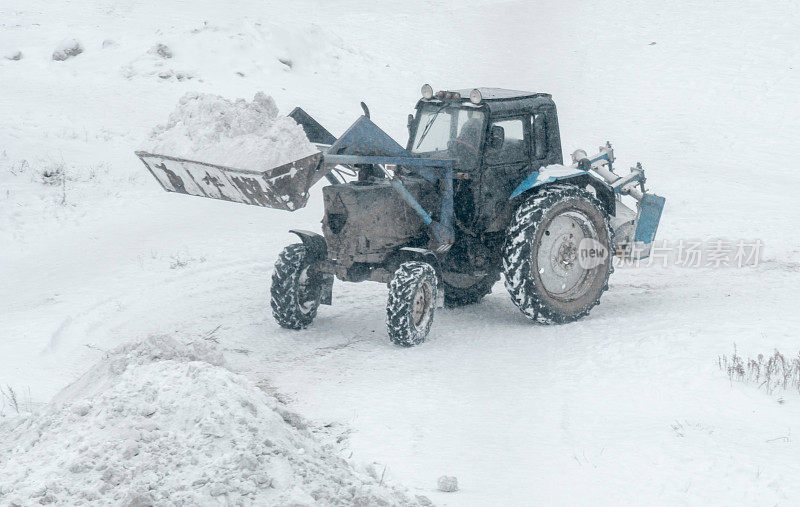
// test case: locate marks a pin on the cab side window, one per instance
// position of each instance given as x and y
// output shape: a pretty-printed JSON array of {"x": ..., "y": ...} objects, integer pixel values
[
  {"x": 515, "y": 143},
  {"x": 539, "y": 137}
]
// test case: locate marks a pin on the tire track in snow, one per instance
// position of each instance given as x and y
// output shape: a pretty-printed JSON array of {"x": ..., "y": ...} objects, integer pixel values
[
  {"x": 100, "y": 318},
  {"x": 155, "y": 303}
]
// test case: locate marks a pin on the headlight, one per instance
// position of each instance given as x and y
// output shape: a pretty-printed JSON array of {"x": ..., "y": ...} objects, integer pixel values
[
  {"x": 475, "y": 96},
  {"x": 427, "y": 91}
]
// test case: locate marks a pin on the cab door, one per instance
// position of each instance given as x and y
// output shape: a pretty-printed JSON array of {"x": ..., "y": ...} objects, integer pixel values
[
  {"x": 545, "y": 138},
  {"x": 504, "y": 167}
]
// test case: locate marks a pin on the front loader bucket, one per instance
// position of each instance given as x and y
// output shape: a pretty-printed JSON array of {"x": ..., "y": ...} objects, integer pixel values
[{"x": 284, "y": 187}]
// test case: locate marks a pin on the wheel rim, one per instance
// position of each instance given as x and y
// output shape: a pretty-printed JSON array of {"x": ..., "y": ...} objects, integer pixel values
[
  {"x": 421, "y": 307},
  {"x": 556, "y": 258},
  {"x": 306, "y": 298}
]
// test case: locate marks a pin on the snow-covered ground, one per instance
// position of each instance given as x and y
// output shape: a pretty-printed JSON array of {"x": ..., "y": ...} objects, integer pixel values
[{"x": 625, "y": 406}]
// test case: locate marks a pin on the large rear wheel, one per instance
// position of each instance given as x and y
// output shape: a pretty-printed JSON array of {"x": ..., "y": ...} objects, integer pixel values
[
  {"x": 556, "y": 258},
  {"x": 459, "y": 294}
]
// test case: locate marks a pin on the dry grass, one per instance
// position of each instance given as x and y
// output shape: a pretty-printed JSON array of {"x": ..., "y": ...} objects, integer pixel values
[
  {"x": 11, "y": 397},
  {"x": 771, "y": 373}
]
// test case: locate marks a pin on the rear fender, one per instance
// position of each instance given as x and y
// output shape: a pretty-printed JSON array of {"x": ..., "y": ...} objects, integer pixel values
[
  {"x": 545, "y": 175},
  {"x": 317, "y": 251},
  {"x": 602, "y": 190}
]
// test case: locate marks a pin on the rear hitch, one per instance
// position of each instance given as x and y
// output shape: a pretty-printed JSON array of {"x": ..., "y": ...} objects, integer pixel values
[{"x": 637, "y": 240}]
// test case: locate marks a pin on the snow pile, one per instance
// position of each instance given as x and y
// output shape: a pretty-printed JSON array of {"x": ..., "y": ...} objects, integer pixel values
[
  {"x": 67, "y": 49},
  {"x": 240, "y": 134},
  {"x": 448, "y": 483},
  {"x": 161, "y": 50},
  {"x": 166, "y": 423}
]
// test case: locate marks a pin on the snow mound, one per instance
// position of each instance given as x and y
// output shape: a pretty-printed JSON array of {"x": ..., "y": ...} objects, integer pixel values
[
  {"x": 165, "y": 423},
  {"x": 161, "y": 50},
  {"x": 67, "y": 49},
  {"x": 240, "y": 134},
  {"x": 447, "y": 483}
]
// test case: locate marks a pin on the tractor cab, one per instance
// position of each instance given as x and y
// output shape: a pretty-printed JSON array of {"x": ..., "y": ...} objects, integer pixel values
[
  {"x": 496, "y": 138},
  {"x": 486, "y": 127}
]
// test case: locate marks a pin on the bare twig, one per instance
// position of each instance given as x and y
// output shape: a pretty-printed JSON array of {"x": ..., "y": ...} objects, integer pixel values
[
  {"x": 209, "y": 335},
  {"x": 781, "y": 439}
]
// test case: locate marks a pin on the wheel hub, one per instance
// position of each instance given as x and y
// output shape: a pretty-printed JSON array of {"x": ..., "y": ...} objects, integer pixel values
[
  {"x": 567, "y": 253},
  {"x": 305, "y": 293},
  {"x": 421, "y": 306},
  {"x": 557, "y": 255}
]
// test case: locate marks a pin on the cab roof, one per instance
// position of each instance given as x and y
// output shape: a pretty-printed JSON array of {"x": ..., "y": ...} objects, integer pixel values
[
  {"x": 502, "y": 93},
  {"x": 499, "y": 101}
]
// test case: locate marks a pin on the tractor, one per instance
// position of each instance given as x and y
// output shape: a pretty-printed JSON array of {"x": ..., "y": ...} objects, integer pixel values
[{"x": 480, "y": 190}]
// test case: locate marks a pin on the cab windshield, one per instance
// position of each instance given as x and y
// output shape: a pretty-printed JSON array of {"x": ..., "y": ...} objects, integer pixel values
[{"x": 447, "y": 131}]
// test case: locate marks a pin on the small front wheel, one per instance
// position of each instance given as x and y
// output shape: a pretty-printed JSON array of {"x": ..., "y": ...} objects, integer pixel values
[
  {"x": 412, "y": 299},
  {"x": 296, "y": 288}
]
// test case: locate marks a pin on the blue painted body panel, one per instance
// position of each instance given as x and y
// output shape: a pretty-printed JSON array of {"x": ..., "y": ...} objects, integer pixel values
[
  {"x": 365, "y": 138},
  {"x": 537, "y": 178},
  {"x": 649, "y": 215}
]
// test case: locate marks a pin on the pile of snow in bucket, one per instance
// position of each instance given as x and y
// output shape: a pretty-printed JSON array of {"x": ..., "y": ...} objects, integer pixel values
[
  {"x": 240, "y": 134},
  {"x": 163, "y": 423}
]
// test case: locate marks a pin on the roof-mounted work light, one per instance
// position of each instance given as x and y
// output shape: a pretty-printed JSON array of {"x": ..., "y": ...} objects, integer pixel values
[{"x": 427, "y": 91}]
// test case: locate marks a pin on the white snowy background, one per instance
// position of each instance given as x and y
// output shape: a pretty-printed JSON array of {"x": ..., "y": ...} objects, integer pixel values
[{"x": 625, "y": 406}]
